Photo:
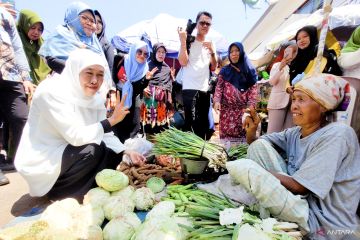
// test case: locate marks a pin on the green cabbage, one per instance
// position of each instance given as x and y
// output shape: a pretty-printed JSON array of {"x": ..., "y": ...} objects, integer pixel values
[
  {"x": 126, "y": 192},
  {"x": 248, "y": 232},
  {"x": 122, "y": 227},
  {"x": 111, "y": 180},
  {"x": 90, "y": 232},
  {"x": 155, "y": 184},
  {"x": 91, "y": 215},
  {"x": 96, "y": 196},
  {"x": 144, "y": 198},
  {"x": 164, "y": 228}
]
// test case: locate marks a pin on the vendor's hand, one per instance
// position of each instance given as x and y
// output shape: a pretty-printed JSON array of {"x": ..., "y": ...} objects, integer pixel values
[
  {"x": 136, "y": 158},
  {"x": 217, "y": 107},
  {"x": 182, "y": 34},
  {"x": 151, "y": 73},
  {"x": 251, "y": 122},
  {"x": 120, "y": 111}
]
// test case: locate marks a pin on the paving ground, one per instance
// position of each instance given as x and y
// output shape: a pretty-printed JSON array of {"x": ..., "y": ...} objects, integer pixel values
[{"x": 15, "y": 200}]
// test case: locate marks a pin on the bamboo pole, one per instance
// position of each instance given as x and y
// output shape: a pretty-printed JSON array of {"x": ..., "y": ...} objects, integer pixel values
[{"x": 324, "y": 29}]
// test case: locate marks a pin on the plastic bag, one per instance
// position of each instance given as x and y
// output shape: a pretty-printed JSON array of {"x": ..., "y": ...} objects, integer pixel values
[
  {"x": 140, "y": 145},
  {"x": 224, "y": 185}
]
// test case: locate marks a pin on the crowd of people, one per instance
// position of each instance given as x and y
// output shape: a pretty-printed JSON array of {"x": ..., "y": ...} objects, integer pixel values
[{"x": 69, "y": 102}]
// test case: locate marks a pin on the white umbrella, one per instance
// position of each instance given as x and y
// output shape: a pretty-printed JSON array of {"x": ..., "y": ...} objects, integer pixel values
[{"x": 163, "y": 28}]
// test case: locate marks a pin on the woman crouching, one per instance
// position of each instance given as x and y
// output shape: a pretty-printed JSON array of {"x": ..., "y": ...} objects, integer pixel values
[{"x": 67, "y": 139}]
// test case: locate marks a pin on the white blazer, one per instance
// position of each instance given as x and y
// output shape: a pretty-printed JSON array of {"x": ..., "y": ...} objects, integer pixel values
[
  {"x": 51, "y": 126},
  {"x": 279, "y": 80}
]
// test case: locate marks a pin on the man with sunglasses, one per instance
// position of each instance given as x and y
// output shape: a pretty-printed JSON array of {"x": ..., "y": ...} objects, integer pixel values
[{"x": 197, "y": 64}]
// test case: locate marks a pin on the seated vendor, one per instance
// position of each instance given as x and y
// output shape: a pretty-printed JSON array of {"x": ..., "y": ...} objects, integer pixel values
[
  {"x": 308, "y": 174},
  {"x": 67, "y": 139}
]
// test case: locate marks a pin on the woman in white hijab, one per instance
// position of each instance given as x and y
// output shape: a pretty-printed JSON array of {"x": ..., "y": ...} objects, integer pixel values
[{"x": 67, "y": 138}]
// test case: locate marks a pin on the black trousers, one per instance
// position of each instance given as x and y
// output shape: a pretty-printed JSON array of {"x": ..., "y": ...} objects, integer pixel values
[
  {"x": 79, "y": 167},
  {"x": 14, "y": 109},
  {"x": 196, "y": 106}
]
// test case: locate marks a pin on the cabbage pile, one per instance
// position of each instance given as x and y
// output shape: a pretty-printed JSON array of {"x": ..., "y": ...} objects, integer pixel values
[
  {"x": 111, "y": 180},
  {"x": 161, "y": 224},
  {"x": 114, "y": 200}
]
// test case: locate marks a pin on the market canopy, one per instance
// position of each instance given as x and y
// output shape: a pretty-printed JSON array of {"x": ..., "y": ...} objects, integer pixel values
[
  {"x": 342, "y": 21},
  {"x": 340, "y": 17},
  {"x": 163, "y": 28}
]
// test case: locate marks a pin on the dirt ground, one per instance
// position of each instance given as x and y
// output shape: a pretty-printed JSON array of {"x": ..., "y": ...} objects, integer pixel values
[{"x": 15, "y": 200}]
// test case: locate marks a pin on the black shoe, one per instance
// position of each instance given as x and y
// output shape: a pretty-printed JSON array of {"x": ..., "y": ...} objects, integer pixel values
[
  {"x": 3, "y": 179},
  {"x": 7, "y": 167}
]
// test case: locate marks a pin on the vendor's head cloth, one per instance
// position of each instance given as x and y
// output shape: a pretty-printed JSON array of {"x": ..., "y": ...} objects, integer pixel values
[{"x": 326, "y": 89}]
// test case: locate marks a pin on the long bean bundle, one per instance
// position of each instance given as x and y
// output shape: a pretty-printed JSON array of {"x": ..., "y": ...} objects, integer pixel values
[
  {"x": 181, "y": 144},
  {"x": 238, "y": 151}
]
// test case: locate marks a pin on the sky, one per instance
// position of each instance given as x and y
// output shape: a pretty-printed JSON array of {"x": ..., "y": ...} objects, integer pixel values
[{"x": 229, "y": 17}]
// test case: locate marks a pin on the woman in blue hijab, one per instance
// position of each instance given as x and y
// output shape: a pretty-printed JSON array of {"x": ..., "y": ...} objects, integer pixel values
[
  {"x": 235, "y": 91},
  {"x": 133, "y": 76},
  {"x": 77, "y": 32}
]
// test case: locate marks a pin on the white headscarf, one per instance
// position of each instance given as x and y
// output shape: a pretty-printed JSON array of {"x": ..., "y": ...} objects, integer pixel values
[{"x": 67, "y": 85}]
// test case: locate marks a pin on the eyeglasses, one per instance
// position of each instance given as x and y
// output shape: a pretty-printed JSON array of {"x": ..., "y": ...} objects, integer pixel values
[
  {"x": 161, "y": 52},
  {"x": 141, "y": 52},
  {"x": 203, "y": 23},
  {"x": 234, "y": 51},
  {"x": 86, "y": 19}
]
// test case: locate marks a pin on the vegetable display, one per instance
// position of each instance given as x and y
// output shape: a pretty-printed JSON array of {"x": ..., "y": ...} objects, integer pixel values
[
  {"x": 213, "y": 216},
  {"x": 96, "y": 196},
  {"x": 188, "y": 145},
  {"x": 122, "y": 227},
  {"x": 138, "y": 176},
  {"x": 155, "y": 184},
  {"x": 184, "y": 212},
  {"x": 144, "y": 198},
  {"x": 111, "y": 180},
  {"x": 238, "y": 151}
]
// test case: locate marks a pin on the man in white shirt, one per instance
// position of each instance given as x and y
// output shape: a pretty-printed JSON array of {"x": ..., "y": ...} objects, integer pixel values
[{"x": 197, "y": 64}]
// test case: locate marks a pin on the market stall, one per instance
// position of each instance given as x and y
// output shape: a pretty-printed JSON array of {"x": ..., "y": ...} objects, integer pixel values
[{"x": 157, "y": 201}]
